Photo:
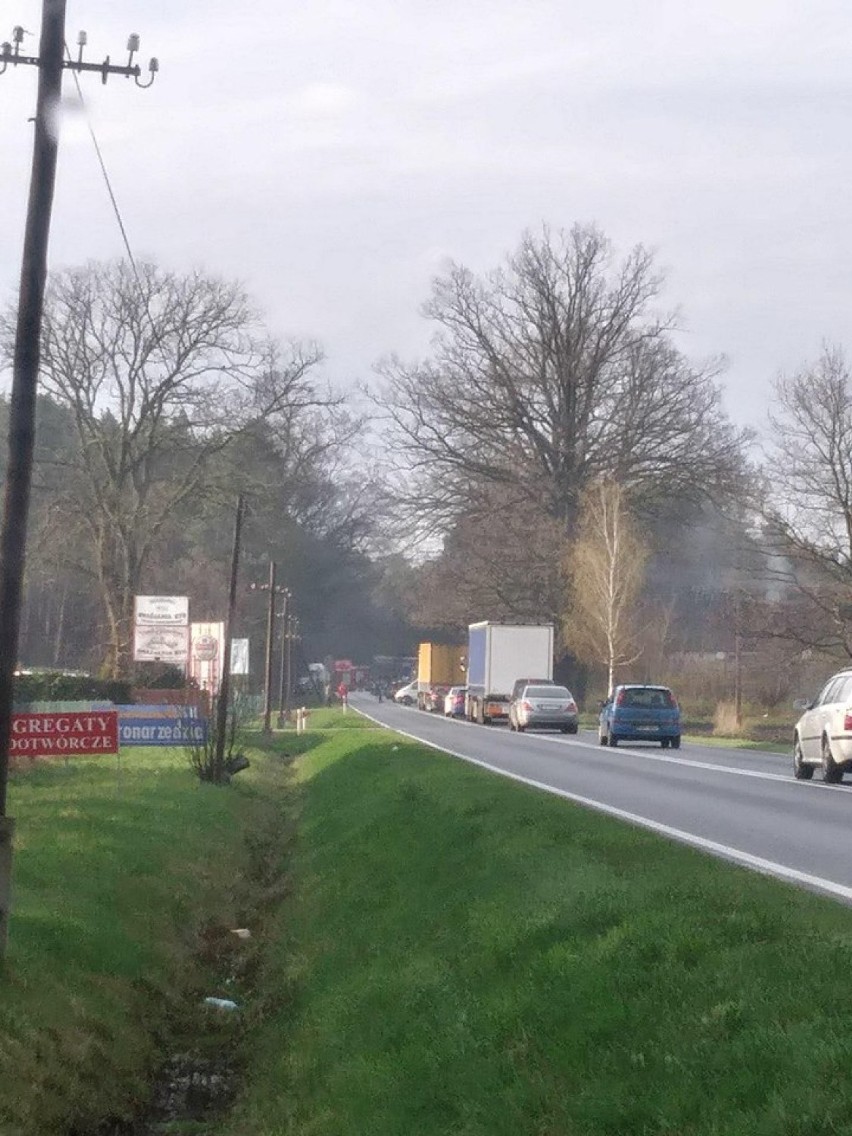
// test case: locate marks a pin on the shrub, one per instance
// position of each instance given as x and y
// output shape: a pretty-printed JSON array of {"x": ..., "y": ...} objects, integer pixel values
[{"x": 59, "y": 686}]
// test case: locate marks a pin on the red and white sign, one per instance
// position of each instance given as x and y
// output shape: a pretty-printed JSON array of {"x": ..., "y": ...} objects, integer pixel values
[
  {"x": 62, "y": 734},
  {"x": 205, "y": 657}
]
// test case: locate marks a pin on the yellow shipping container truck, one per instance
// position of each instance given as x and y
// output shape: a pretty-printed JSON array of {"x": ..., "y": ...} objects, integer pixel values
[{"x": 439, "y": 666}]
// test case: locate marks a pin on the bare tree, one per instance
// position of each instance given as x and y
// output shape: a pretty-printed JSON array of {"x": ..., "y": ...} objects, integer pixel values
[
  {"x": 606, "y": 565},
  {"x": 807, "y": 506},
  {"x": 548, "y": 374},
  {"x": 161, "y": 373}
]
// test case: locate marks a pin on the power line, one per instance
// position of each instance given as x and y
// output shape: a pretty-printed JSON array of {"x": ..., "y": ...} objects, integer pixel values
[{"x": 106, "y": 177}]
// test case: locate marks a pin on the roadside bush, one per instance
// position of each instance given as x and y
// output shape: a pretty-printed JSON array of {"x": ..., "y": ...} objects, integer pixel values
[
  {"x": 56, "y": 686},
  {"x": 725, "y": 722}
]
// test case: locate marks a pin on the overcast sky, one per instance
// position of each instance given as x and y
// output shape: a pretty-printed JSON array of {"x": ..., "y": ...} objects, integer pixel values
[{"x": 333, "y": 155}]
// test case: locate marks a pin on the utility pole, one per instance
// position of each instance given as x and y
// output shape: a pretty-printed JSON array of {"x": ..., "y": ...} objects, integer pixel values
[
  {"x": 273, "y": 590},
  {"x": 225, "y": 685},
  {"x": 26, "y": 359},
  {"x": 284, "y": 616},
  {"x": 292, "y": 634}
]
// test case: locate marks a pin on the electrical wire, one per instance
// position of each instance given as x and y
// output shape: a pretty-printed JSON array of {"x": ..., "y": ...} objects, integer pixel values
[{"x": 110, "y": 191}]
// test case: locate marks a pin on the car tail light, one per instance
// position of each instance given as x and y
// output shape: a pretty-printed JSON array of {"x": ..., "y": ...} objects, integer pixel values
[
  {"x": 570, "y": 706},
  {"x": 619, "y": 698},
  {"x": 847, "y": 721},
  {"x": 526, "y": 706}
]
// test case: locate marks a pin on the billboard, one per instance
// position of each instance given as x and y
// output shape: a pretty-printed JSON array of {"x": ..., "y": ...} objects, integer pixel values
[
  {"x": 162, "y": 611},
  {"x": 239, "y": 656},
  {"x": 161, "y": 629},
  {"x": 64, "y": 733},
  {"x": 160, "y": 726}
]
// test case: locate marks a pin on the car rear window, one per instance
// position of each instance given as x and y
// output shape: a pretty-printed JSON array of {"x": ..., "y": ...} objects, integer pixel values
[
  {"x": 646, "y": 698},
  {"x": 547, "y": 692}
]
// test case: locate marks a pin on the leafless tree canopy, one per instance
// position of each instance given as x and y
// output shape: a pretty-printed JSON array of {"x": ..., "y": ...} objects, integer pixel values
[
  {"x": 161, "y": 373},
  {"x": 549, "y": 373},
  {"x": 807, "y": 508}
]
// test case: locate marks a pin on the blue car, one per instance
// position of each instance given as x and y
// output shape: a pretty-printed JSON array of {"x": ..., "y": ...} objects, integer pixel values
[{"x": 640, "y": 713}]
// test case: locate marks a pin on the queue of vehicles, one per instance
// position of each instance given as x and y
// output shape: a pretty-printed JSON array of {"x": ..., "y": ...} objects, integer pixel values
[{"x": 482, "y": 686}]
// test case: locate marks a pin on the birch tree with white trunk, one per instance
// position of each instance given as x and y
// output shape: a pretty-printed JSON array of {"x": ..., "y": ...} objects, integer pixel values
[{"x": 606, "y": 567}]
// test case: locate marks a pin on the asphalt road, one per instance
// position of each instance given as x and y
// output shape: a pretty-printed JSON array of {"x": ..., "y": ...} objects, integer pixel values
[{"x": 742, "y": 805}]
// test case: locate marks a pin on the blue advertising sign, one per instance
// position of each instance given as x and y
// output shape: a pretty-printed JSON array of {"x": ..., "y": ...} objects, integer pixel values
[{"x": 160, "y": 726}]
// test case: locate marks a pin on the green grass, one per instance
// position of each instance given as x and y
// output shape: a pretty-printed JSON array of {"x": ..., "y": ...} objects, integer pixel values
[
  {"x": 124, "y": 877},
  {"x": 736, "y": 743},
  {"x": 462, "y": 956}
]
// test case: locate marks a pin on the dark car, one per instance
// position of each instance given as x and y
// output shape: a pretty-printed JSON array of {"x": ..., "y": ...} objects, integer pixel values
[
  {"x": 520, "y": 683},
  {"x": 639, "y": 712}
]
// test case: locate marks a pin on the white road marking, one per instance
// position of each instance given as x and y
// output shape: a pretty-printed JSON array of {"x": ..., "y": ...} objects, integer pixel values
[
  {"x": 725, "y": 851},
  {"x": 645, "y": 755}
]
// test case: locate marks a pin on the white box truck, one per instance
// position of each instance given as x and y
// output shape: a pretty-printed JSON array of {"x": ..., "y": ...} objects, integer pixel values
[{"x": 497, "y": 655}]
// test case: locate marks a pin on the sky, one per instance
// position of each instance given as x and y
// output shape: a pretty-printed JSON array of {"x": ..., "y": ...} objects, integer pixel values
[{"x": 335, "y": 156}]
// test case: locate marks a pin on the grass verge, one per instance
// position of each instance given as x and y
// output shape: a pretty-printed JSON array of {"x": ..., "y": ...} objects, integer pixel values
[
  {"x": 127, "y": 878},
  {"x": 466, "y": 957}
]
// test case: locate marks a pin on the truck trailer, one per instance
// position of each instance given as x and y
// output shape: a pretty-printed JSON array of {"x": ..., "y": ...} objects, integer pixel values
[
  {"x": 439, "y": 666},
  {"x": 497, "y": 655}
]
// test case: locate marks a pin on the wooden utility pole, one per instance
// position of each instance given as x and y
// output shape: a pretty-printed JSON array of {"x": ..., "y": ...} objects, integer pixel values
[
  {"x": 225, "y": 685},
  {"x": 292, "y": 634},
  {"x": 26, "y": 359},
  {"x": 285, "y": 623},
  {"x": 270, "y": 632},
  {"x": 13, "y": 533}
]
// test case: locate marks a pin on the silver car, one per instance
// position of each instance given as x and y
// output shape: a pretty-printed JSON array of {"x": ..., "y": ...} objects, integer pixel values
[
  {"x": 548, "y": 707},
  {"x": 823, "y": 734}
]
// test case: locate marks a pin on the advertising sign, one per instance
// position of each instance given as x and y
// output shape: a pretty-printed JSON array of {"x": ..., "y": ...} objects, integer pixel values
[
  {"x": 162, "y": 611},
  {"x": 239, "y": 656},
  {"x": 64, "y": 733},
  {"x": 205, "y": 655},
  {"x": 161, "y": 629},
  {"x": 160, "y": 726},
  {"x": 161, "y": 645}
]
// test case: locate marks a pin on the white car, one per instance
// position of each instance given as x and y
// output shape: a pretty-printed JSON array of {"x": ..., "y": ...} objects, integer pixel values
[
  {"x": 407, "y": 695},
  {"x": 823, "y": 734}
]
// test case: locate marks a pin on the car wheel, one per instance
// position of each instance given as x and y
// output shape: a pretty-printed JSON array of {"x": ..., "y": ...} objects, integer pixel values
[
  {"x": 612, "y": 740},
  {"x": 520, "y": 728},
  {"x": 832, "y": 773},
  {"x": 573, "y": 729},
  {"x": 801, "y": 770},
  {"x": 675, "y": 742},
  {"x": 664, "y": 743},
  {"x": 564, "y": 729}
]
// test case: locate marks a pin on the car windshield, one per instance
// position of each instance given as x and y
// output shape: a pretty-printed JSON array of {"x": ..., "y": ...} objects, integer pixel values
[
  {"x": 646, "y": 697},
  {"x": 547, "y": 692}
]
